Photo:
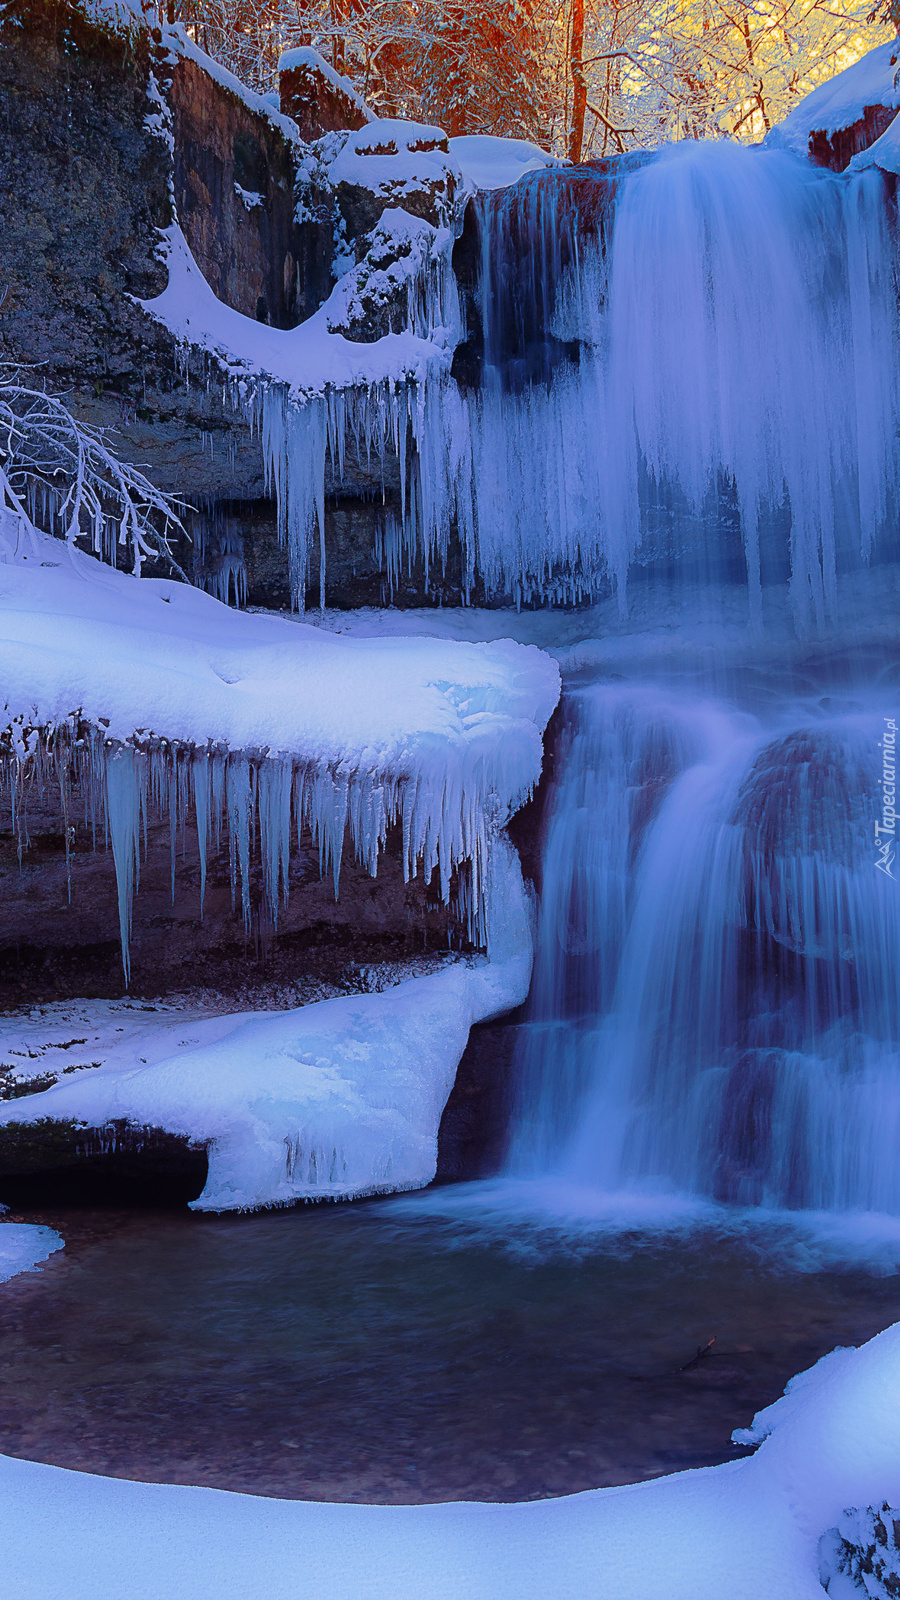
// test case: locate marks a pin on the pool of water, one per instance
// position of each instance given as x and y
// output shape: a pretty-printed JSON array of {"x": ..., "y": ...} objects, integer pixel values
[{"x": 372, "y": 1353}]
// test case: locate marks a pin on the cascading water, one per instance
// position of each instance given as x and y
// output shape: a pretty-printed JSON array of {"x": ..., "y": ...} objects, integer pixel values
[
  {"x": 689, "y": 393},
  {"x": 715, "y": 1004},
  {"x": 697, "y": 365}
]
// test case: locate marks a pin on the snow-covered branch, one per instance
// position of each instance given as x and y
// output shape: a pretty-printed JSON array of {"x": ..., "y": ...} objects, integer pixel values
[{"x": 60, "y": 475}]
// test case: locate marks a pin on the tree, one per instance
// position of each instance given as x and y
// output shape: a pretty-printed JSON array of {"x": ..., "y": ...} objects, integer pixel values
[
  {"x": 60, "y": 475},
  {"x": 587, "y": 77}
]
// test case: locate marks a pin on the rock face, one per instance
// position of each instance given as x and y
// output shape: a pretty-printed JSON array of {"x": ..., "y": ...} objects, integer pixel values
[
  {"x": 315, "y": 98},
  {"x": 837, "y": 150},
  {"x": 59, "y": 931},
  {"x": 103, "y": 139},
  {"x": 234, "y": 194},
  {"x": 86, "y": 185}
]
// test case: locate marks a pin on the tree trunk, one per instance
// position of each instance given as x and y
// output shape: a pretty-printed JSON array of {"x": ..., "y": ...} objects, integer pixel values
[{"x": 579, "y": 85}]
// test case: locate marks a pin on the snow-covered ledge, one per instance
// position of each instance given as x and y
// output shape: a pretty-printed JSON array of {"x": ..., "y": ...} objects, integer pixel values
[
  {"x": 24, "y": 1245},
  {"x": 157, "y": 691},
  {"x": 327, "y": 1101}
]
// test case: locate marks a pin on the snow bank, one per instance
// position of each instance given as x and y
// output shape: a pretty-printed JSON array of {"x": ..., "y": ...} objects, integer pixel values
[
  {"x": 329, "y": 1101},
  {"x": 395, "y": 158},
  {"x": 349, "y": 735},
  {"x": 748, "y": 1530},
  {"x": 842, "y": 101},
  {"x": 307, "y": 359},
  {"x": 23, "y": 1246},
  {"x": 488, "y": 161}
]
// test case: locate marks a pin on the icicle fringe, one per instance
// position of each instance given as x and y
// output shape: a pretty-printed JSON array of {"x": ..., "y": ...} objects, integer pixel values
[{"x": 260, "y": 799}]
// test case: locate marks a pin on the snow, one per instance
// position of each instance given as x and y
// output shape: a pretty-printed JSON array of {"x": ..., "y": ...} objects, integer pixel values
[
  {"x": 841, "y": 101},
  {"x": 307, "y": 359},
  {"x": 251, "y": 197},
  {"x": 305, "y": 56},
  {"x": 747, "y": 1530},
  {"x": 153, "y": 654},
  {"x": 332, "y": 1100},
  {"x": 884, "y": 153},
  {"x": 348, "y": 734},
  {"x": 23, "y": 1246},
  {"x": 281, "y": 722},
  {"x": 123, "y": 16},
  {"x": 488, "y": 161},
  {"x": 395, "y": 158}
]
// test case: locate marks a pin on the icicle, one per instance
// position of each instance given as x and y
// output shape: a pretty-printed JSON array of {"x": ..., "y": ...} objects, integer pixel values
[
  {"x": 123, "y": 811},
  {"x": 274, "y": 789},
  {"x": 201, "y": 784}
]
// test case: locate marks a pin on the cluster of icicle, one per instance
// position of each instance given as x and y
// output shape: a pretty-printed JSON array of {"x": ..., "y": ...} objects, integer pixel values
[
  {"x": 258, "y": 800},
  {"x": 392, "y": 421},
  {"x": 698, "y": 364}
]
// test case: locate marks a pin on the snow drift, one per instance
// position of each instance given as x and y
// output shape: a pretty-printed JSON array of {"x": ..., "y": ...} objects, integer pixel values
[{"x": 748, "y": 1530}]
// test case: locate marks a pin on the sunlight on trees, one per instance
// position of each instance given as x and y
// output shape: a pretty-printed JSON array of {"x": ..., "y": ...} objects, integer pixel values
[{"x": 589, "y": 78}]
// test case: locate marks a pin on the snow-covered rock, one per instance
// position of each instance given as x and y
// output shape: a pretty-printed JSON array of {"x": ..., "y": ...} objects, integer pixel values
[
  {"x": 391, "y": 162},
  {"x": 488, "y": 161},
  {"x": 278, "y": 722},
  {"x": 318, "y": 99},
  {"x": 329, "y": 1101},
  {"x": 865, "y": 94},
  {"x": 444, "y": 737},
  {"x": 884, "y": 153}
]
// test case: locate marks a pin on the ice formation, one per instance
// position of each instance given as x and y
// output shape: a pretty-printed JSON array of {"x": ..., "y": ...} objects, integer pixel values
[
  {"x": 152, "y": 693},
  {"x": 678, "y": 376},
  {"x": 748, "y": 1530},
  {"x": 329, "y": 1101}
]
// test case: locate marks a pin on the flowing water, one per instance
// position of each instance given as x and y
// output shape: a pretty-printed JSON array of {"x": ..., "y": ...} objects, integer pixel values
[{"x": 715, "y": 1006}]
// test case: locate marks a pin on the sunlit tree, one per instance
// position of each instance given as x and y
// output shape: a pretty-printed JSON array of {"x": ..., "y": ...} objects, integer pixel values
[{"x": 590, "y": 77}]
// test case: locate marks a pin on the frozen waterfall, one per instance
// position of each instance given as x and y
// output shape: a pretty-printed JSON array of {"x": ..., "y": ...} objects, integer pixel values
[{"x": 683, "y": 363}]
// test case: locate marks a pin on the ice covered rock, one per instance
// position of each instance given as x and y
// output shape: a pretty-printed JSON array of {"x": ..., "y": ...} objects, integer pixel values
[{"x": 847, "y": 114}]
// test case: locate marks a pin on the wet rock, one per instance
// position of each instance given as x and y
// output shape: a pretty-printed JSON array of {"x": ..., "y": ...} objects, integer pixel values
[
  {"x": 234, "y": 194},
  {"x": 838, "y": 149}
]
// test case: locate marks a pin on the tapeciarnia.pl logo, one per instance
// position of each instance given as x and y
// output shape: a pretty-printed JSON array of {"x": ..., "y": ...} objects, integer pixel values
[{"x": 886, "y": 829}]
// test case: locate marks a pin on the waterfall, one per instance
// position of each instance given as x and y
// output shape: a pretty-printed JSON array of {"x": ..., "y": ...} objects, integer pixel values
[
  {"x": 678, "y": 364},
  {"x": 689, "y": 360},
  {"x": 715, "y": 1006}
]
